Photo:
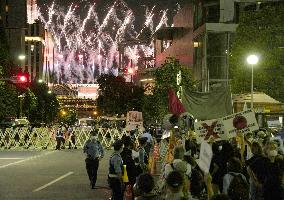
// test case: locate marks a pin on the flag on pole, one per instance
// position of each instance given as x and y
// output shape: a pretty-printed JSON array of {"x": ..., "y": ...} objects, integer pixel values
[
  {"x": 175, "y": 106},
  {"x": 171, "y": 146}
]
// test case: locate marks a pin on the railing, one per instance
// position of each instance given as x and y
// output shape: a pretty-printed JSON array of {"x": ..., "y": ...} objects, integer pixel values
[{"x": 44, "y": 138}]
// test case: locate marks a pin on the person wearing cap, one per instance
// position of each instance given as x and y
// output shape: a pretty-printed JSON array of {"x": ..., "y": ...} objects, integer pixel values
[
  {"x": 94, "y": 153},
  {"x": 115, "y": 171}
]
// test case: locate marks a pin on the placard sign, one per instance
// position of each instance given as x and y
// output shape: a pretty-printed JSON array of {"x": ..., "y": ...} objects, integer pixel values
[
  {"x": 242, "y": 122},
  {"x": 134, "y": 121},
  {"x": 205, "y": 157},
  {"x": 210, "y": 128}
]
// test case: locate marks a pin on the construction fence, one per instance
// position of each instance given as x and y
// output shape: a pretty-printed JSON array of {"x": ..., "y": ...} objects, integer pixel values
[{"x": 44, "y": 138}]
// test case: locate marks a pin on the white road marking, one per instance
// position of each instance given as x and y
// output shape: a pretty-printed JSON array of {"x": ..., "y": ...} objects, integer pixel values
[
  {"x": 30, "y": 158},
  {"x": 11, "y": 158},
  {"x": 54, "y": 181}
]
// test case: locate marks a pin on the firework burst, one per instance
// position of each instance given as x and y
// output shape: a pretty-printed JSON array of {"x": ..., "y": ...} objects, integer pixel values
[{"x": 87, "y": 46}]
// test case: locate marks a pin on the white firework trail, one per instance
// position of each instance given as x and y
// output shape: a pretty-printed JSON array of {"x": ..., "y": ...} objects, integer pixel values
[{"x": 88, "y": 47}]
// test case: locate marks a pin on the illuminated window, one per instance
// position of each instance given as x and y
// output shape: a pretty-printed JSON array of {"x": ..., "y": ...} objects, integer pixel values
[{"x": 7, "y": 8}]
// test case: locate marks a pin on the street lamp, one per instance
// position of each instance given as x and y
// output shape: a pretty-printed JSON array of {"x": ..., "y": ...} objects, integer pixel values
[
  {"x": 22, "y": 57},
  {"x": 40, "y": 81},
  {"x": 252, "y": 60}
]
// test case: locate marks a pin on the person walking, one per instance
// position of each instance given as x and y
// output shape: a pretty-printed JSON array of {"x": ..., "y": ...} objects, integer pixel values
[
  {"x": 72, "y": 138},
  {"x": 116, "y": 171},
  {"x": 94, "y": 153},
  {"x": 59, "y": 138}
]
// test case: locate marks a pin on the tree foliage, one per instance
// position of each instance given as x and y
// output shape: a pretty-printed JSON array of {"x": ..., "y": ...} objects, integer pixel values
[
  {"x": 69, "y": 118},
  {"x": 118, "y": 96},
  {"x": 155, "y": 107},
  {"x": 47, "y": 105},
  {"x": 260, "y": 32}
]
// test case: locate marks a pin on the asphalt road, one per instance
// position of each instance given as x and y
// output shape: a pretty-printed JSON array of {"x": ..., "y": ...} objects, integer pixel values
[{"x": 50, "y": 175}]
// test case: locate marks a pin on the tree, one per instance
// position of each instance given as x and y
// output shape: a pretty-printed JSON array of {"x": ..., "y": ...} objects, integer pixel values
[
  {"x": 69, "y": 117},
  {"x": 259, "y": 32},
  {"x": 47, "y": 104},
  {"x": 29, "y": 103},
  {"x": 117, "y": 96},
  {"x": 155, "y": 106},
  {"x": 9, "y": 103}
]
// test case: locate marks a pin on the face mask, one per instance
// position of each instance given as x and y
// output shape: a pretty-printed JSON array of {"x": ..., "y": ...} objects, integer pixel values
[{"x": 272, "y": 153}]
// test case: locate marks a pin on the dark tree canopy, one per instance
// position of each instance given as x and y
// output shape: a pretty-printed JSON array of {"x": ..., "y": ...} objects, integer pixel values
[
  {"x": 117, "y": 96},
  {"x": 260, "y": 32}
]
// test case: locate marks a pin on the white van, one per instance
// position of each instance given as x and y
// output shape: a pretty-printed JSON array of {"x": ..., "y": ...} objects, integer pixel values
[
  {"x": 86, "y": 122},
  {"x": 23, "y": 122}
]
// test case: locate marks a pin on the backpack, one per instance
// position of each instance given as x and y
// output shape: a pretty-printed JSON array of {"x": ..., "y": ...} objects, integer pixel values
[{"x": 239, "y": 188}]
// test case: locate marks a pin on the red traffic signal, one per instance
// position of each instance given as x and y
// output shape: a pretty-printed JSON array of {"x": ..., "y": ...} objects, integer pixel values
[{"x": 22, "y": 79}]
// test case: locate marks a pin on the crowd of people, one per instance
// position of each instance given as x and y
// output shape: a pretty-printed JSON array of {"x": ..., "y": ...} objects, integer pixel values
[{"x": 246, "y": 167}]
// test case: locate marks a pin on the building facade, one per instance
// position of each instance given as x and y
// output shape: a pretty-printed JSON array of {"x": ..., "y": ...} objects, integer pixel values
[
  {"x": 13, "y": 19},
  {"x": 34, "y": 50},
  {"x": 26, "y": 37},
  {"x": 176, "y": 41}
]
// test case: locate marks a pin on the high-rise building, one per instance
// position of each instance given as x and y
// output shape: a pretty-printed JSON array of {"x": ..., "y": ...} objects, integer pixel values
[
  {"x": 13, "y": 17},
  {"x": 29, "y": 42},
  {"x": 34, "y": 49}
]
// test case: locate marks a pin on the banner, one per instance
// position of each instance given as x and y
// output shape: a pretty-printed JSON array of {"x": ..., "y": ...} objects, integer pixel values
[
  {"x": 242, "y": 122},
  {"x": 226, "y": 127},
  {"x": 134, "y": 120},
  {"x": 211, "y": 105},
  {"x": 205, "y": 157},
  {"x": 210, "y": 128}
]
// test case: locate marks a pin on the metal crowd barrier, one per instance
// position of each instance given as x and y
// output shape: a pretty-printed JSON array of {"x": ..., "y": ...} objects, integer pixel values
[{"x": 44, "y": 138}]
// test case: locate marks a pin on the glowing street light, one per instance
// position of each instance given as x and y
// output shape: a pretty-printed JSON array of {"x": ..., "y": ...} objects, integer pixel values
[
  {"x": 22, "y": 57},
  {"x": 252, "y": 60},
  {"x": 40, "y": 81},
  {"x": 63, "y": 112},
  {"x": 49, "y": 92}
]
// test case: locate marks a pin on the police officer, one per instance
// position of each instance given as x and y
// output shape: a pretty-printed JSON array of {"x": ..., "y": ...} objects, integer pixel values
[
  {"x": 115, "y": 171},
  {"x": 94, "y": 153},
  {"x": 59, "y": 138}
]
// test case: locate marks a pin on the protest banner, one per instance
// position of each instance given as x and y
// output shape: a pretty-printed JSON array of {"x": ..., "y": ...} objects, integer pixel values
[
  {"x": 134, "y": 120},
  {"x": 242, "y": 122},
  {"x": 205, "y": 157},
  {"x": 210, "y": 128}
]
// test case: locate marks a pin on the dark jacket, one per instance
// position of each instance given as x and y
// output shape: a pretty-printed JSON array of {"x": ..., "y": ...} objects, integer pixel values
[{"x": 126, "y": 155}]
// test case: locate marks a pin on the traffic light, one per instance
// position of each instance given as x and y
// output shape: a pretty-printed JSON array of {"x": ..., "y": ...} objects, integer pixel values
[{"x": 22, "y": 79}]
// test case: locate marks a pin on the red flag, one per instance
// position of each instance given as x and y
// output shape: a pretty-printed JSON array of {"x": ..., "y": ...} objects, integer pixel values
[{"x": 175, "y": 106}]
